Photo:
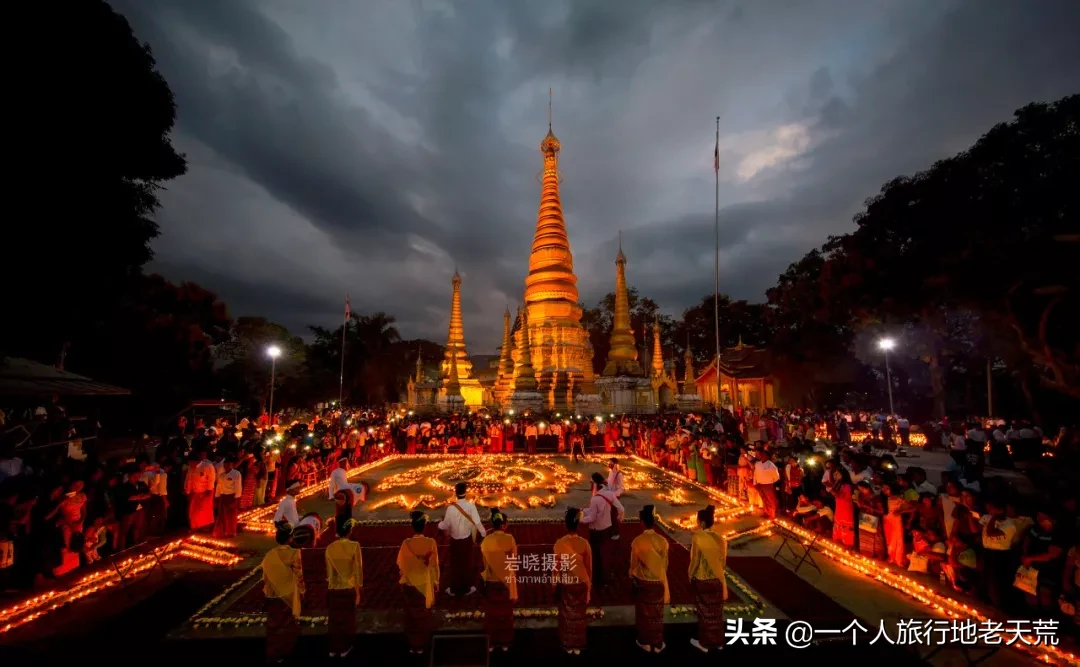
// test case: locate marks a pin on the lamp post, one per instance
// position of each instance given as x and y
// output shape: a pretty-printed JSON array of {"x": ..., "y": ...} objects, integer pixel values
[
  {"x": 887, "y": 344},
  {"x": 273, "y": 352}
]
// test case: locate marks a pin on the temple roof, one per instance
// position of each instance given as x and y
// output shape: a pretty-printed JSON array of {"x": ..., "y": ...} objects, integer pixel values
[{"x": 741, "y": 361}]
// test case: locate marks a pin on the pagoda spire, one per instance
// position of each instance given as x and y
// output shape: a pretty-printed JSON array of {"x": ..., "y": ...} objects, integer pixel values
[
  {"x": 419, "y": 362},
  {"x": 455, "y": 336},
  {"x": 689, "y": 382},
  {"x": 551, "y": 280},
  {"x": 525, "y": 374},
  {"x": 506, "y": 361},
  {"x": 658, "y": 350},
  {"x": 623, "y": 355}
]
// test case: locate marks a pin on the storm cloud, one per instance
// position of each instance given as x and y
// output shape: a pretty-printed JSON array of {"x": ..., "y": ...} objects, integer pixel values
[{"x": 371, "y": 148}]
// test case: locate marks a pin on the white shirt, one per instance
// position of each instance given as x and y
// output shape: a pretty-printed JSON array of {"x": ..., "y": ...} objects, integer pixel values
[
  {"x": 457, "y": 525},
  {"x": 229, "y": 484},
  {"x": 203, "y": 477},
  {"x": 862, "y": 476},
  {"x": 765, "y": 472},
  {"x": 598, "y": 514},
  {"x": 286, "y": 511},
  {"x": 615, "y": 482},
  {"x": 338, "y": 481}
]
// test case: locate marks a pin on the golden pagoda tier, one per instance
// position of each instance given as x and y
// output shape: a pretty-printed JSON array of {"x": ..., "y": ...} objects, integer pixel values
[
  {"x": 525, "y": 396},
  {"x": 456, "y": 357},
  {"x": 623, "y": 386},
  {"x": 504, "y": 381},
  {"x": 552, "y": 310},
  {"x": 622, "y": 357},
  {"x": 665, "y": 388}
]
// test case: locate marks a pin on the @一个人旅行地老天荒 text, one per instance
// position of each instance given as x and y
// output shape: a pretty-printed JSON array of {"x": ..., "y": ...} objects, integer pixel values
[{"x": 905, "y": 632}]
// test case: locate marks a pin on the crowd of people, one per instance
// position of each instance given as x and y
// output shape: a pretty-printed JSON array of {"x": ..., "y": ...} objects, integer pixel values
[
  {"x": 972, "y": 528},
  {"x": 577, "y": 571}
]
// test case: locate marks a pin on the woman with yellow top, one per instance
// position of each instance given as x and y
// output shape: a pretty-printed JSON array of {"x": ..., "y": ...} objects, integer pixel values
[
  {"x": 418, "y": 560},
  {"x": 573, "y": 583},
  {"x": 344, "y": 579},
  {"x": 648, "y": 572},
  {"x": 500, "y": 583},
  {"x": 283, "y": 584},
  {"x": 708, "y": 559}
]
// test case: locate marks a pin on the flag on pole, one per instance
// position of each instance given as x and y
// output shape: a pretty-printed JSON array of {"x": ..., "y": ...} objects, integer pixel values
[
  {"x": 716, "y": 153},
  {"x": 348, "y": 312}
]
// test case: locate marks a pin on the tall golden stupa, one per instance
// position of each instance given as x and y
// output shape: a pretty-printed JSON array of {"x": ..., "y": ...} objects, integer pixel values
[{"x": 560, "y": 345}]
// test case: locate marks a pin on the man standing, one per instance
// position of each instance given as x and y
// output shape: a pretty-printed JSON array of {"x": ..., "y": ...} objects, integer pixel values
[
  {"x": 157, "y": 479},
  {"x": 597, "y": 515},
  {"x": 199, "y": 487},
  {"x": 131, "y": 509},
  {"x": 286, "y": 509},
  {"x": 765, "y": 478},
  {"x": 462, "y": 522},
  {"x": 615, "y": 485},
  {"x": 230, "y": 486},
  {"x": 530, "y": 437},
  {"x": 338, "y": 479}
]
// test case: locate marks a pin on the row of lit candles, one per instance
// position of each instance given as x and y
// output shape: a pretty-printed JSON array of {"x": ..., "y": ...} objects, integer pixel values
[{"x": 203, "y": 549}]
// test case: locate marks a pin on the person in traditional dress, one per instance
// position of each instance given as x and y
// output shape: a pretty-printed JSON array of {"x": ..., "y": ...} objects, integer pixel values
[
  {"x": 227, "y": 492},
  {"x": 199, "y": 488},
  {"x": 343, "y": 505},
  {"x": 648, "y": 572},
  {"x": 615, "y": 484},
  {"x": 283, "y": 585},
  {"x": 499, "y": 550},
  {"x": 708, "y": 560},
  {"x": 246, "y": 466},
  {"x": 286, "y": 509},
  {"x": 573, "y": 584},
  {"x": 462, "y": 523},
  {"x": 418, "y": 562},
  {"x": 344, "y": 579},
  {"x": 597, "y": 516}
]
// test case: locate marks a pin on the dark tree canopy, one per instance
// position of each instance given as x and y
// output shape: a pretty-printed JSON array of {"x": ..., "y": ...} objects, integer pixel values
[{"x": 95, "y": 119}]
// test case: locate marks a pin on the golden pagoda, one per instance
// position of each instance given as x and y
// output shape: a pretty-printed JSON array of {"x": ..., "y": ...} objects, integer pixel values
[
  {"x": 552, "y": 310},
  {"x": 456, "y": 357},
  {"x": 504, "y": 382},
  {"x": 665, "y": 389},
  {"x": 622, "y": 357}
]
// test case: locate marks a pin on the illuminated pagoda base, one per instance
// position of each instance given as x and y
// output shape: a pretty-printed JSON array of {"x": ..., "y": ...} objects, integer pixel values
[
  {"x": 451, "y": 404},
  {"x": 527, "y": 401},
  {"x": 626, "y": 395}
]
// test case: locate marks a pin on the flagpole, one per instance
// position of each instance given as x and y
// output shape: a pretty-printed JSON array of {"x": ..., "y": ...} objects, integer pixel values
[
  {"x": 341, "y": 378},
  {"x": 716, "y": 265}
]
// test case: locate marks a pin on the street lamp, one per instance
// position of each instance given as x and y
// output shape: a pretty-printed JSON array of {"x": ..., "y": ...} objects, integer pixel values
[
  {"x": 273, "y": 352},
  {"x": 887, "y": 344}
]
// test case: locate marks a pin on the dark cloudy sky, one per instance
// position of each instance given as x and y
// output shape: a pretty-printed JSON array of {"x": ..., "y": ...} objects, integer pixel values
[{"x": 369, "y": 146}]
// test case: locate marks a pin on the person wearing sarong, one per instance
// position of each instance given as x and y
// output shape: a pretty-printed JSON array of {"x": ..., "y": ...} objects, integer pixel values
[
  {"x": 871, "y": 529},
  {"x": 573, "y": 584},
  {"x": 283, "y": 585},
  {"x": 844, "y": 511},
  {"x": 462, "y": 523},
  {"x": 344, "y": 579},
  {"x": 199, "y": 488},
  {"x": 343, "y": 506},
  {"x": 227, "y": 492},
  {"x": 615, "y": 484},
  {"x": 648, "y": 572},
  {"x": 418, "y": 562},
  {"x": 500, "y": 554},
  {"x": 247, "y": 473},
  {"x": 708, "y": 560},
  {"x": 598, "y": 515}
]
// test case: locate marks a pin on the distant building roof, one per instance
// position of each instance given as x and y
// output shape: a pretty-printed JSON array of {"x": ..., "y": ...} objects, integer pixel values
[
  {"x": 23, "y": 377},
  {"x": 741, "y": 361}
]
